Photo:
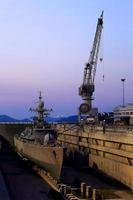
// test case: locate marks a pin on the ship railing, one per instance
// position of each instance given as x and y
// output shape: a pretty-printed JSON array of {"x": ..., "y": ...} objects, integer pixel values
[
  {"x": 95, "y": 128},
  {"x": 15, "y": 122},
  {"x": 109, "y": 129},
  {"x": 39, "y": 144}
]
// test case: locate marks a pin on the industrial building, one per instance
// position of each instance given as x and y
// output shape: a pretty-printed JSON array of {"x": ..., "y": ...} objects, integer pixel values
[{"x": 124, "y": 114}]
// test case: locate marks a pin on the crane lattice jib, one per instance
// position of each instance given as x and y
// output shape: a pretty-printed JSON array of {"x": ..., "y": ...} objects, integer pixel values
[{"x": 90, "y": 69}]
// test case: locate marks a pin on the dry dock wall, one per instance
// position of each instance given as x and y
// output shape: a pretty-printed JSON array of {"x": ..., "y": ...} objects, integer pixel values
[
  {"x": 110, "y": 151},
  {"x": 8, "y": 130}
]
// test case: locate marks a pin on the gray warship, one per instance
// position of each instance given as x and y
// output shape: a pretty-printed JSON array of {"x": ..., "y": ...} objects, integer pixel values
[{"x": 38, "y": 142}]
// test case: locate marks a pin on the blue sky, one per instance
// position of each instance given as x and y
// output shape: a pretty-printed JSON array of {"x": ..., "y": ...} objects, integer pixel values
[{"x": 45, "y": 44}]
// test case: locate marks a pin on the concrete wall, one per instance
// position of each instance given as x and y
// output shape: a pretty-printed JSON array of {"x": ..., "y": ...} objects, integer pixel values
[
  {"x": 113, "y": 154},
  {"x": 110, "y": 151},
  {"x": 9, "y": 130}
]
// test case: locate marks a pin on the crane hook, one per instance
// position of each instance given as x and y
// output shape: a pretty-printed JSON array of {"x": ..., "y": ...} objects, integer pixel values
[{"x": 101, "y": 59}]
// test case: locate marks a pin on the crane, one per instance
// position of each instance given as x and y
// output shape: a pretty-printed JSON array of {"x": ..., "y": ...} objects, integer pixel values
[{"x": 87, "y": 88}]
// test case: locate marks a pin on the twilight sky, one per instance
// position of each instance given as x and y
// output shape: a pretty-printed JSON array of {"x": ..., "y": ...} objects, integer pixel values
[{"x": 44, "y": 45}]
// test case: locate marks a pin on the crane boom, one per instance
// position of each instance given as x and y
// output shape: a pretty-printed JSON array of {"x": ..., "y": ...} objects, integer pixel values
[{"x": 87, "y": 88}]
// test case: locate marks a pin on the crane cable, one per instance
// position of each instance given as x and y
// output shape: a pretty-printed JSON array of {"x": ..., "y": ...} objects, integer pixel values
[{"x": 101, "y": 53}]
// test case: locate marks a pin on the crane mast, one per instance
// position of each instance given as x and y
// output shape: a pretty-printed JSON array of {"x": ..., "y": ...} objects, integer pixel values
[{"x": 87, "y": 88}]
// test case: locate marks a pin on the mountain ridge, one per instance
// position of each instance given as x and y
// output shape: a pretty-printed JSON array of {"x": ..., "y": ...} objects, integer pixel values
[{"x": 70, "y": 119}]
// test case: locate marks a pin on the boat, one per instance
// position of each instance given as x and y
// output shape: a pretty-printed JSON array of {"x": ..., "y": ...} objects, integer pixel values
[{"x": 38, "y": 142}]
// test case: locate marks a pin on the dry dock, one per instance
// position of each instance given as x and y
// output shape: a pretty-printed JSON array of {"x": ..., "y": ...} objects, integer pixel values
[
  {"x": 17, "y": 179},
  {"x": 3, "y": 189},
  {"x": 109, "y": 150}
]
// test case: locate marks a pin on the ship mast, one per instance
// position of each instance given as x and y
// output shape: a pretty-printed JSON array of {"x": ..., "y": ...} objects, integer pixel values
[{"x": 42, "y": 113}]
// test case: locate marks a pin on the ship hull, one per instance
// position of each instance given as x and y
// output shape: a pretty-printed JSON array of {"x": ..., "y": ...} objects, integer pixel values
[{"x": 49, "y": 158}]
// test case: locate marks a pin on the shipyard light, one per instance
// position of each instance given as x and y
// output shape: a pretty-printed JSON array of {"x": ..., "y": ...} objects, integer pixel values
[{"x": 123, "y": 91}]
